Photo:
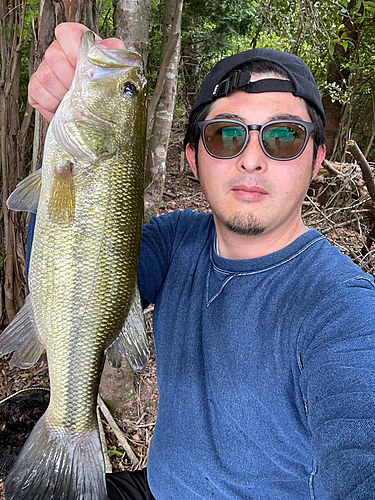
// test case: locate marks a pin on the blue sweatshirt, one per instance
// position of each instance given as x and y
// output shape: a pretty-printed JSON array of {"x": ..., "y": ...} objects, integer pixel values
[{"x": 265, "y": 368}]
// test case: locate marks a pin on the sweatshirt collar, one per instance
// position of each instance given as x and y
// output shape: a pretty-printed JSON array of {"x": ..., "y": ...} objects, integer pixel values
[{"x": 267, "y": 262}]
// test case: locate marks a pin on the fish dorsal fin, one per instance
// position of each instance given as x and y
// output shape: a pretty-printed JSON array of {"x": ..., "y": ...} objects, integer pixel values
[
  {"x": 132, "y": 341},
  {"x": 21, "y": 336},
  {"x": 26, "y": 195}
]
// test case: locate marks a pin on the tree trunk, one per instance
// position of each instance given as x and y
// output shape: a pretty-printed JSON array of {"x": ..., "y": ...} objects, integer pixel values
[
  {"x": 12, "y": 22},
  {"x": 91, "y": 14},
  {"x": 131, "y": 21},
  {"x": 338, "y": 72},
  {"x": 163, "y": 102},
  {"x": 51, "y": 13},
  {"x": 332, "y": 108}
]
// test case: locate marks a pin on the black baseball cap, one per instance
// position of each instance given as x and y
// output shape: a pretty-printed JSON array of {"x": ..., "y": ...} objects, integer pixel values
[{"x": 301, "y": 84}]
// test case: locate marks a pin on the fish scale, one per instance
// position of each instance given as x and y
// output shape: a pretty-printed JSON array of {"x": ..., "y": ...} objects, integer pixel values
[
  {"x": 79, "y": 307},
  {"x": 83, "y": 293}
]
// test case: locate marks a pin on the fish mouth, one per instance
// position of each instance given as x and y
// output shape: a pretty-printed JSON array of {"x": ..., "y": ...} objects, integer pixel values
[
  {"x": 114, "y": 58},
  {"x": 106, "y": 57}
]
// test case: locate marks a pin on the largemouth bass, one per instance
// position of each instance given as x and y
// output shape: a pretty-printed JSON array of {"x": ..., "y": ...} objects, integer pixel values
[{"x": 82, "y": 278}]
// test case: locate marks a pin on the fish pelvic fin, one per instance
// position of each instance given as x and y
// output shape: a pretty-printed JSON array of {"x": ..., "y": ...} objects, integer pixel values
[
  {"x": 21, "y": 336},
  {"x": 58, "y": 465},
  {"x": 132, "y": 342},
  {"x": 61, "y": 204},
  {"x": 26, "y": 195}
]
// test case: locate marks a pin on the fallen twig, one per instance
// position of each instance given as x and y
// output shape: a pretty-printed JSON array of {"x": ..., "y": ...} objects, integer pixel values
[
  {"x": 343, "y": 224},
  {"x": 368, "y": 177},
  {"x": 118, "y": 433},
  {"x": 107, "y": 462},
  {"x": 330, "y": 169}
]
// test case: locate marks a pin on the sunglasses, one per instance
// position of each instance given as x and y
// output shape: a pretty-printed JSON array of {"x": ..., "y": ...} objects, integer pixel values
[{"x": 279, "y": 139}]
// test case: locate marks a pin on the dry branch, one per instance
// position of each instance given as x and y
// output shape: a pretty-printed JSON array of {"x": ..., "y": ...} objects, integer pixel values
[
  {"x": 368, "y": 177},
  {"x": 169, "y": 51},
  {"x": 116, "y": 429},
  {"x": 330, "y": 169},
  {"x": 107, "y": 462}
]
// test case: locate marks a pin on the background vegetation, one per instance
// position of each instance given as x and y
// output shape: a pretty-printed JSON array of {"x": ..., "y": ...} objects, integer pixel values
[{"x": 335, "y": 38}]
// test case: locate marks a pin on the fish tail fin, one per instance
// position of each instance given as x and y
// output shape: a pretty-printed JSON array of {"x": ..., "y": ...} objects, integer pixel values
[{"x": 58, "y": 465}]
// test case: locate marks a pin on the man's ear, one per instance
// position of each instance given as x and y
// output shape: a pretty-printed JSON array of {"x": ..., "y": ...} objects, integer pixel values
[
  {"x": 190, "y": 156},
  {"x": 321, "y": 154}
]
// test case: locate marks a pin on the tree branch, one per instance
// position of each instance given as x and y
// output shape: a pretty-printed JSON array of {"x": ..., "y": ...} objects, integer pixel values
[
  {"x": 173, "y": 39},
  {"x": 116, "y": 429},
  {"x": 368, "y": 177}
]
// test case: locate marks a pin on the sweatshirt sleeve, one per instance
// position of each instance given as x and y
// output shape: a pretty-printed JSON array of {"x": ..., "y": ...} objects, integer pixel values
[
  {"x": 155, "y": 254},
  {"x": 337, "y": 362},
  {"x": 161, "y": 238}
]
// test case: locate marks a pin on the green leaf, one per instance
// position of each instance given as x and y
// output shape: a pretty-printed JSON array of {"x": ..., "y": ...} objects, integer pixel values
[
  {"x": 345, "y": 45},
  {"x": 345, "y": 3},
  {"x": 331, "y": 49},
  {"x": 115, "y": 452}
]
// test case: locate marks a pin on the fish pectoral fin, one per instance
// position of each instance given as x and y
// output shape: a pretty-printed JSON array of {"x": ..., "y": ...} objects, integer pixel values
[
  {"x": 61, "y": 204},
  {"x": 21, "y": 336},
  {"x": 26, "y": 195},
  {"x": 132, "y": 342}
]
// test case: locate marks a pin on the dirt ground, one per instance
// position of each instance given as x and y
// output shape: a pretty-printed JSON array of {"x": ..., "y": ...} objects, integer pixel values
[{"x": 325, "y": 209}]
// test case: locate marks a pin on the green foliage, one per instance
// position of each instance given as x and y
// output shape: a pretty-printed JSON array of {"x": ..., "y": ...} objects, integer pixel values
[
  {"x": 322, "y": 32},
  {"x": 325, "y": 34},
  {"x": 106, "y": 19},
  {"x": 114, "y": 452}
]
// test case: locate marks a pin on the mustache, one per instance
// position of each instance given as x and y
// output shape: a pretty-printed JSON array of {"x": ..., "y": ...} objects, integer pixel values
[{"x": 250, "y": 180}]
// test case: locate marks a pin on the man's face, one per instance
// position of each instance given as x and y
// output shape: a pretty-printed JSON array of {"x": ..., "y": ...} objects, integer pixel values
[{"x": 253, "y": 194}]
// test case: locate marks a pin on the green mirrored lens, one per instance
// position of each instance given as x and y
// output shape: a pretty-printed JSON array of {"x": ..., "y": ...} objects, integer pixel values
[
  {"x": 283, "y": 140},
  {"x": 224, "y": 139}
]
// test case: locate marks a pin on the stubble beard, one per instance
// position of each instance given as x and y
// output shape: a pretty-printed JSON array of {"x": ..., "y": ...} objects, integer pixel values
[
  {"x": 240, "y": 223},
  {"x": 244, "y": 224}
]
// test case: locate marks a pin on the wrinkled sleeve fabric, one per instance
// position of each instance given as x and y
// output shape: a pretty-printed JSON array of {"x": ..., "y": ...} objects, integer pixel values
[
  {"x": 337, "y": 361},
  {"x": 160, "y": 238}
]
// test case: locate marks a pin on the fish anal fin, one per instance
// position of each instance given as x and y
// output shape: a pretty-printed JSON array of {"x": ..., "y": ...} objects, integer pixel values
[
  {"x": 26, "y": 195},
  {"x": 61, "y": 204},
  {"x": 132, "y": 342},
  {"x": 21, "y": 336}
]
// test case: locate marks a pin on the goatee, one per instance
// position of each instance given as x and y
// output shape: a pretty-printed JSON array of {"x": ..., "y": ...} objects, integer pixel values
[{"x": 245, "y": 225}]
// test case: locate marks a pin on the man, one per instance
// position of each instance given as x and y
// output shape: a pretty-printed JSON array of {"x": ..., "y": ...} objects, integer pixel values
[{"x": 264, "y": 333}]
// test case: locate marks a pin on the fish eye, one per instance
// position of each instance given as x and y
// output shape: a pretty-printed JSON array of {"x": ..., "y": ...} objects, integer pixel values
[{"x": 129, "y": 89}]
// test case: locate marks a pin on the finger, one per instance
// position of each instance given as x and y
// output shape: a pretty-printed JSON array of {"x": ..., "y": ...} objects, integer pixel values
[
  {"x": 46, "y": 114},
  {"x": 41, "y": 99},
  {"x": 57, "y": 68},
  {"x": 112, "y": 43},
  {"x": 69, "y": 37},
  {"x": 51, "y": 80}
]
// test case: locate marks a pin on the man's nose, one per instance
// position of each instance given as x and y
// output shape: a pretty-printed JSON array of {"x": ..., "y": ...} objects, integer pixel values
[{"x": 252, "y": 157}]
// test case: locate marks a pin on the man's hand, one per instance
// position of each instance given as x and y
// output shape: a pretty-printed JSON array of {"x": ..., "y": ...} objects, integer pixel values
[{"x": 51, "y": 81}]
